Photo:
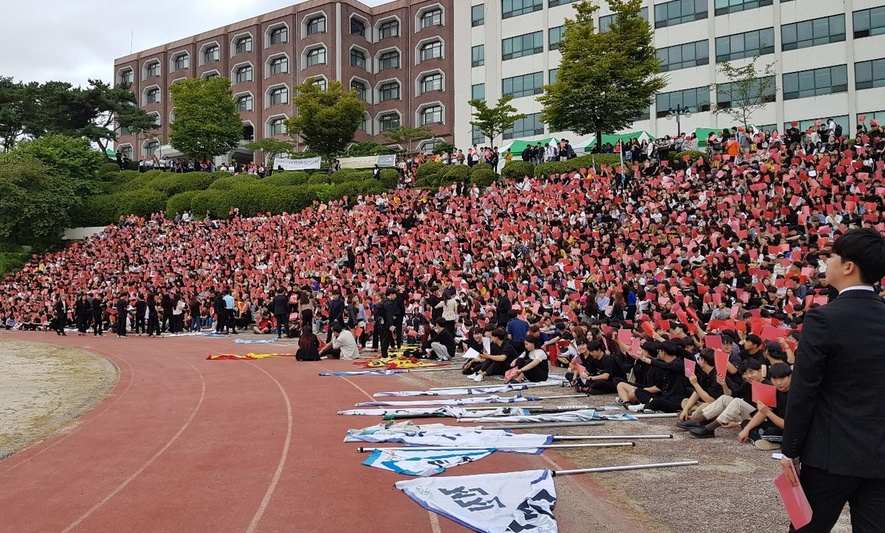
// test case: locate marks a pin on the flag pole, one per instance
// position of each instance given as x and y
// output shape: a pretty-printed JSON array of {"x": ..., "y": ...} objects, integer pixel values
[
  {"x": 620, "y": 468},
  {"x": 611, "y": 437},
  {"x": 543, "y": 446},
  {"x": 539, "y": 425}
]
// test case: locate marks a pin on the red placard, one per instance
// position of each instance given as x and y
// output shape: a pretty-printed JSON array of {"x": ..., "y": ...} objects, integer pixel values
[
  {"x": 795, "y": 501},
  {"x": 714, "y": 342},
  {"x": 689, "y": 367},
  {"x": 721, "y": 359},
  {"x": 764, "y": 393}
]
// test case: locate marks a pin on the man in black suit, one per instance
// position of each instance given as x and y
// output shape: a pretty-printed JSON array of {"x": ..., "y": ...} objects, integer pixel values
[
  {"x": 388, "y": 321},
  {"x": 835, "y": 422},
  {"x": 122, "y": 307},
  {"x": 61, "y": 315},
  {"x": 280, "y": 308}
]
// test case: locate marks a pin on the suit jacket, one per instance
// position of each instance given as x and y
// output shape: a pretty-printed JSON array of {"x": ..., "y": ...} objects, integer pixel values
[
  {"x": 280, "y": 305},
  {"x": 836, "y": 407}
]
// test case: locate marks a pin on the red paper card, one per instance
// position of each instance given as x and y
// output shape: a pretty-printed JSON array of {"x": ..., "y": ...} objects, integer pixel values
[
  {"x": 648, "y": 329},
  {"x": 625, "y": 337},
  {"x": 764, "y": 393},
  {"x": 721, "y": 359},
  {"x": 771, "y": 333},
  {"x": 689, "y": 367},
  {"x": 714, "y": 342},
  {"x": 795, "y": 501}
]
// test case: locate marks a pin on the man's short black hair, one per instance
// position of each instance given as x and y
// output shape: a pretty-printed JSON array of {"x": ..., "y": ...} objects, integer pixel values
[
  {"x": 779, "y": 370},
  {"x": 499, "y": 333},
  {"x": 595, "y": 346},
  {"x": 755, "y": 339},
  {"x": 750, "y": 364},
  {"x": 865, "y": 247},
  {"x": 708, "y": 356}
]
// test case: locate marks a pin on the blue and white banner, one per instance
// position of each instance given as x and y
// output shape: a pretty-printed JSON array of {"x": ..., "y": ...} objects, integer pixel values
[
  {"x": 449, "y": 436},
  {"x": 423, "y": 462},
  {"x": 466, "y": 391},
  {"x": 452, "y": 401},
  {"x": 431, "y": 411},
  {"x": 511, "y": 502},
  {"x": 580, "y": 415}
]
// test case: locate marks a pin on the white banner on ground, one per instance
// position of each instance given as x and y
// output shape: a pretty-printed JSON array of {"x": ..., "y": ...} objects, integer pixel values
[
  {"x": 443, "y": 435},
  {"x": 581, "y": 415},
  {"x": 507, "y": 502},
  {"x": 308, "y": 163},
  {"x": 368, "y": 161},
  {"x": 465, "y": 391},
  {"x": 451, "y": 401},
  {"x": 444, "y": 411},
  {"x": 422, "y": 462}
]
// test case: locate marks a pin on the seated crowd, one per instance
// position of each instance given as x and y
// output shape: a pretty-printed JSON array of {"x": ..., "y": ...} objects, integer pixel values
[{"x": 630, "y": 276}]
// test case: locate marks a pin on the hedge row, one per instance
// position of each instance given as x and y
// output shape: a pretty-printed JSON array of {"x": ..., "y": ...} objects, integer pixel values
[{"x": 434, "y": 174}]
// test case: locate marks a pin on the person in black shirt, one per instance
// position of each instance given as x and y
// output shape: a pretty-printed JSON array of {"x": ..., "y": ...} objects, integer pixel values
[
  {"x": 498, "y": 361},
  {"x": 140, "y": 309},
  {"x": 705, "y": 388},
  {"x": 668, "y": 383},
  {"x": 280, "y": 309},
  {"x": 473, "y": 341},
  {"x": 441, "y": 343},
  {"x": 766, "y": 427},
  {"x": 599, "y": 369},
  {"x": 153, "y": 319},
  {"x": 61, "y": 316},
  {"x": 82, "y": 313},
  {"x": 533, "y": 364},
  {"x": 121, "y": 306},
  {"x": 730, "y": 409},
  {"x": 97, "y": 315},
  {"x": 387, "y": 320}
]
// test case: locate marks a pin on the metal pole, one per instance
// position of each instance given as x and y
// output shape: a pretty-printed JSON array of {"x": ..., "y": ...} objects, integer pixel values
[
  {"x": 611, "y": 437},
  {"x": 620, "y": 468},
  {"x": 539, "y": 425},
  {"x": 544, "y": 446},
  {"x": 657, "y": 415}
]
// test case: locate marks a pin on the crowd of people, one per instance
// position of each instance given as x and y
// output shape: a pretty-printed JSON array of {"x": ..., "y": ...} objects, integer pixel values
[{"x": 621, "y": 274}]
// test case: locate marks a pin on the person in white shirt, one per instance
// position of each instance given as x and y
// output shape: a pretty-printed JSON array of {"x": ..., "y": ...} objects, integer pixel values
[{"x": 343, "y": 345}]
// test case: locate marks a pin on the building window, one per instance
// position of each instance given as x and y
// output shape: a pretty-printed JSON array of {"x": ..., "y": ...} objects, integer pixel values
[
  {"x": 476, "y": 136},
  {"x": 156, "y": 117},
  {"x": 152, "y": 70},
  {"x": 152, "y": 96},
  {"x": 478, "y": 91},
  {"x": 869, "y": 74},
  {"x": 126, "y": 77},
  {"x": 554, "y": 3},
  {"x": 869, "y": 22},
  {"x": 126, "y": 152},
  {"x": 526, "y": 127},
  {"x": 279, "y": 96},
  {"x": 388, "y": 91},
  {"x": 432, "y": 115},
  {"x": 816, "y": 82},
  {"x": 552, "y": 75},
  {"x": 316, "y": 25},
  {"x": 151, "y": 147},
  {"x": 317, "y": 56},
  {"x": 432, "y": 82},
  {"x": 733, "y": 94},
  {"x": 724, "y": 7},
  {"x": 513, "y": 8},
  {"x": 357, "y": 58},
  {"x": 279, "y": 65},
  {"x": 244, "y": 74},
  {"x": 433, "y": 50},
  {"x": 245, "y": 103},
  {"x": 276, "y": 126},
  {"x": 428, "y": 147},
  {"x": 605, "y": 22},
  {"x": 431, "y": 17},
  {"x": 388, "y": 121},
  {"x": 321, "y": 83},
  {"x": 248, "y": 132},
  {"x": 477, "y": 15},
  {"x": 478, "y": 55},
  {"x": 691, "y": 100},
  {"x": 679, "y": 12},
  {"x": 554, "y": 36},
  {"x": 364, "y": 125},
  {"x": 181, "y": 62},
  {"x": 525, "y": 85},
  {"x": 211, "y": 54},
  {"x": 522, "y": 45},
  {"x": 684, "y": 56},
  {"x": 357, "y": 27},
  {"x": 243, "y": 45},
  {"x": 210, "y": 75},
  {"x": 388, "y": 60},
  {"x": 360, "y": 89},
  {"x": 741, "y": 45},
  {"x": 279, "y": 35},
  {"x": 813, "y": 32},
  {"x": 389, "y": 28}
]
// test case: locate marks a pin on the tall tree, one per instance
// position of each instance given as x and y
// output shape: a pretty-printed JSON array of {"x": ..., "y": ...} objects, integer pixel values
[
  {"x": 605, "y": 79},
  {"x": 405, "y": 136},
  {"x": 206, "y": 120},
  {"x": 271, "y": 148},
  {"x": 326, "y": 119},
  {"x": 492, "y": 121},
  {"x": 17, "y": 110},
  {"x": 114, "y": 110},
  {"x": 748, "y": 90}
]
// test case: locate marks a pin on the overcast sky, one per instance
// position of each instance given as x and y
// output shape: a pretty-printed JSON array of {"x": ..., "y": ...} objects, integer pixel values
[{"x": 74, "y": 40}]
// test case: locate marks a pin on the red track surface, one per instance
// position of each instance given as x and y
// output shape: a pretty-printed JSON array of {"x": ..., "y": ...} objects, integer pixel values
[{"x": 184, "y": 444}]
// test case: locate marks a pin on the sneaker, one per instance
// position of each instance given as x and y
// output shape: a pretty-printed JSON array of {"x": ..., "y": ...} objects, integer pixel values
[
  {"x": 765, "y": 445},
  {"x": 636, "y": 408},
  {"x": 476, "y": 377},
  {"x": 688, "y": 424},
  {"x": 702, "y": 433}
]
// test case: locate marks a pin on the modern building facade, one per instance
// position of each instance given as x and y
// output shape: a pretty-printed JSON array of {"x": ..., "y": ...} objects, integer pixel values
[{"x": 420, "y": 62}]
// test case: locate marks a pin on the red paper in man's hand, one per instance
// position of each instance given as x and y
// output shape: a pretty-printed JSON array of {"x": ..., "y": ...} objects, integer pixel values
[
  {"x": 689, "y": 367},
  {"x": 764, "y": 393},
  {"x": 795, "y": 501},
  {"x": 648, "y": 329},
  {"x": 625, "y": 337},
  {"x": 714, "y": 342},
  {"x": 771, "y": 333},
  {"x": 721, "y": 359}
]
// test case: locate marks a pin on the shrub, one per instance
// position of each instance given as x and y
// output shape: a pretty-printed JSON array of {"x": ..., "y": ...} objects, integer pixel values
[
  {"x": 286, "y": 178},
  {"x": 104, "y": 209},
  {"x": 350, "y": 174},
  {"x": 143, "y": 202},
  {"x": 289, "y": 199},
  {"x": 356, "y": 188},
  {"x": 389, "y": 178},
  {"x": 99, "y": 210},
  {"x": 108, "y": 171},
  {"x": 517, "y": 169},
  {"x": 318, "y": 178},
  {"x": 431, "y": 169},
  {"x": 692, "y": 154},
  {"x": 572, "y": 165},
  {"x": 171, "y": 184},
  {"x": 456, "y": 173},
  {"x": 211, "y": 201},
  {"x": 483, "y": 177},
  {"x": 179, "y": 203},
  {"x": 229, "y": 182}
]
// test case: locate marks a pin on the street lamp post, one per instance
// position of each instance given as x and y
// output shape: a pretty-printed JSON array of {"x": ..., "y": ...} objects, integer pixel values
[{"x": 678, "y": 112}]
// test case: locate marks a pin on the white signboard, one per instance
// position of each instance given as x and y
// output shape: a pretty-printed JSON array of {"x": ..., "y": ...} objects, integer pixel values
[
  {"x": 287, "y": 163},
  {"x": 368, "y": 161}
]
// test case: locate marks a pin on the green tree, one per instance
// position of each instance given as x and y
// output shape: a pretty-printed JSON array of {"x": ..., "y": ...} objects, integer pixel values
[
  {"x": 271, "y": 148},
  {"x": 747, "y": 91},
  {"x": 206, "y": 120},
  {"x": 113, "y": 110},
  {"x": 492, "y": 121},
  {"x": 70, "y": 157},
  {"x": 405, "y": 136},
  {"x": 35, "y": 202},
  {"x": 327, "y": 118},
  {"x": 606, "y": 79},
  {"x": 17, "y": 110}
]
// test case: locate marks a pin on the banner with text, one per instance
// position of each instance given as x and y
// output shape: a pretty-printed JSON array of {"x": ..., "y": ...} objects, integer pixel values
[
  {"x": 287, "y": 163},
  {"x": 368, "y": 161}
]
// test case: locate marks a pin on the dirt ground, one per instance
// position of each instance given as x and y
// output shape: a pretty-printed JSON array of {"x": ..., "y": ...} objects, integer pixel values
[
  {"x": 731, "y": 490},
  {"x": 44, "y": 388}
]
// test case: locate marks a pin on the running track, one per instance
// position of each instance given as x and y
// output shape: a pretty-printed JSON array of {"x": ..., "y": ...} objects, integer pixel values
[{"x": 188, "y": 445}]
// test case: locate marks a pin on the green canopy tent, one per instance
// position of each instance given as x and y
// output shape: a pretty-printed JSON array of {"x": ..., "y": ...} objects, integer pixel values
[
  {"x": 613, "y": 138},
  {"x": 516, "y": 147},
  {"x": 703, "y": 133}
]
